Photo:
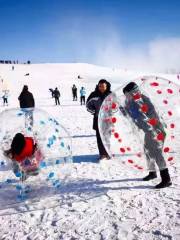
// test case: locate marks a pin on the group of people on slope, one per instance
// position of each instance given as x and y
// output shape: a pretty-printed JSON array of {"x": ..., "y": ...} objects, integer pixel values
[
  {"x": 56, "y": 95},
  {"x": 82, "y": 93}
]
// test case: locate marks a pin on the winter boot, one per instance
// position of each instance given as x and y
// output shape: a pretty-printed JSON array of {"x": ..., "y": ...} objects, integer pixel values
[
  {"x": 103, "y": 157},
  {"x": 166, "y": 180},
  {"x": 150, "y": 176}
]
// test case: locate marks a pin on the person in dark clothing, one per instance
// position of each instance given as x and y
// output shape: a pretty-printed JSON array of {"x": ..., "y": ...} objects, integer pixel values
[
  {"x": 57, "y": 95},
  {"x": 74, "y": 92},
  {"x": 5, "y": 98},
  {"x": 26, "y": 98},
  {"x": 93, "y": 104},
  {"x": 143, "y": 114},
  {"x": 27, "y": 104}
]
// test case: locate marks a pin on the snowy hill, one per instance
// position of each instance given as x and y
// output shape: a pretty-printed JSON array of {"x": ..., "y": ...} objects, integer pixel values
[{"x": 105, "y": 200}]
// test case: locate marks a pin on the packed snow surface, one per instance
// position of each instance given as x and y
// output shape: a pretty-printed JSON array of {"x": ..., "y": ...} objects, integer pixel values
[{"x": 96, "y": 200}]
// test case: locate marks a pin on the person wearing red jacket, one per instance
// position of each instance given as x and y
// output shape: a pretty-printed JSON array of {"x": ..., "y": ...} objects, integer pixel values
[{"x": 24, "y": 155}]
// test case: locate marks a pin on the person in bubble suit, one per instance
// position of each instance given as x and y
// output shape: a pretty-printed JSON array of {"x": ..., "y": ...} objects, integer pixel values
[
  {"x": 25, "y": 155},
  {"x": 143, "y": 114}
]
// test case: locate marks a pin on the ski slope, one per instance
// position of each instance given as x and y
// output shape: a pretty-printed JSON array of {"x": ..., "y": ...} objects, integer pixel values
[{"x": 105, "y": 200}]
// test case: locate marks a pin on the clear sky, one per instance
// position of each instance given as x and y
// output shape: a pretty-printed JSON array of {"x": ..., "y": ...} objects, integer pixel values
[{"x": 75, "y": 30}]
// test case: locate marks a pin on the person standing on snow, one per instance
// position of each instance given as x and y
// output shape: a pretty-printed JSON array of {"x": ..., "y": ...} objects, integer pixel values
[
  {"x": 74, "y": 92},
  {"x": 56, "y": 95},
  {"x": 144, "y": 116},
  {"x": 83, "y": 96},
  {"x": 5, "y": 98},
  {"x": 27, "y": 104},
  {"x": 93, "y": 104},
  {"x": 26, "y": 99}
]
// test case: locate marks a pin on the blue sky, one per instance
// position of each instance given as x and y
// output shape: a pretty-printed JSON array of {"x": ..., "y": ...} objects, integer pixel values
[{"x": 75, "y": 30}]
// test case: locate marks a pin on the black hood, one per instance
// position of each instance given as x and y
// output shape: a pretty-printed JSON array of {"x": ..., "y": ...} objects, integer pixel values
[
  {"x": 17, "y": 144},
  {"x": 130, "y": 87},
  {"x": 25, "y": 89}
]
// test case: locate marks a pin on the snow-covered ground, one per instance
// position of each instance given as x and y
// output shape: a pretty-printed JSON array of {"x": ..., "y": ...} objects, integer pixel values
[{"x": 105, "y": 200}]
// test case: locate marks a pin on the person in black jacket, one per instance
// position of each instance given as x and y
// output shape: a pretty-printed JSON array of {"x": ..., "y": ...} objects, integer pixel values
[
  {"x": 26, "y": 98},
  {"x": 27, "y": 104},
  {"x": 94, "y": 102},
  {"x": 74, "y": 92},
  {"x": 56, "y": 95}
]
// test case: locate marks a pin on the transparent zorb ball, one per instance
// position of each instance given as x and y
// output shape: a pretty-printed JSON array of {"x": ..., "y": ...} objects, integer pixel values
[
  {"x": 53, "y": 147},
  {"x": 125, "y": 140}
]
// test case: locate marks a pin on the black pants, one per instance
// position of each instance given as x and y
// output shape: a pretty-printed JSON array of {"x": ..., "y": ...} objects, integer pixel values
[
  {"x": 83, "y": 100},
  {"x": 57, "y": 102},
  {"x": 74, "y": 96},
  {"x": 5, "y": 101},
  {"x": 102, "y": 150}
]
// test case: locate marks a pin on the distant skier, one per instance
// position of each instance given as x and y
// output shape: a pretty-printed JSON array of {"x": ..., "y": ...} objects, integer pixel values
[
  {"x": 79, "y": 77},
  {"x": 93, "y": 104},
  {"x": 27, "y": 104},
  {"x": 12, "y": 68},
  {"x": 74, "y": 92},
  {"x": 83, "y": 95},
  {"x": 5, "y": 98},
  {"x": 142, "y": 112},
  {"x": 56, "y": 95},
  {"x": 25, "y": 155}
]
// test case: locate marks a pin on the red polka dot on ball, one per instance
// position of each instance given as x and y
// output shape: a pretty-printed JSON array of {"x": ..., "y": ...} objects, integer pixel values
[
  {"x": 130, "y": 161},
  {"x": 159, "y": 91},
  {"x": 165, "y": 101},
  {"x": 170, "y": 91},
  {"x": 160, "y": 137},
  {"x": 122, "y": 150},
  {"x": 116, "y": 135},
  {"x": 114, "y": 120},
  {"x": 166, "y": 149},
  {"x": 169, "y": 113},
  {"x": 114, "y": 105},
  {"x": 154, "y": 84}
]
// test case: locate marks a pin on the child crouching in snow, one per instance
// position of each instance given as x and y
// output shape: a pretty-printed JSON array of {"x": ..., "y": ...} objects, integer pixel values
[{"x": 25, "y": 155}]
